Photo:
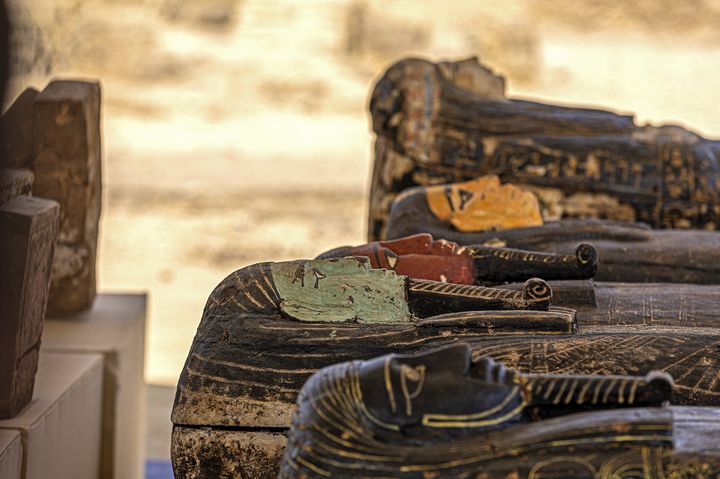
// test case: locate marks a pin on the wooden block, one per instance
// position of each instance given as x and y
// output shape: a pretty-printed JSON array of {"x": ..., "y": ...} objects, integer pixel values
[
  {"x": 66, "y": 151},
  {"x": 114, "y": 328},
  {"x": 15, "y": 182},
  {"x": 16, "y": 130},
  {"x": 28, "y": 229}
]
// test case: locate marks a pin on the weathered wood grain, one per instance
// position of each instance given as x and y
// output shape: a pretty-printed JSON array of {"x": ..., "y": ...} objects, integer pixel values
[
  {"x": 212, "y": 453},
  {"x": 28, "y": 230},
  {"x": 252, "y": 377},
  {"x": 431, "y": 131}
]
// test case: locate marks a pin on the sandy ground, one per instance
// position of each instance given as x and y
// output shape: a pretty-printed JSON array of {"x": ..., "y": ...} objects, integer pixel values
[{"x": 237, "y": 132}]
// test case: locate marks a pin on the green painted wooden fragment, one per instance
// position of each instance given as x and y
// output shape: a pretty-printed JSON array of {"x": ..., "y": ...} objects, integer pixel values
[{"x": 340, "y": 290}]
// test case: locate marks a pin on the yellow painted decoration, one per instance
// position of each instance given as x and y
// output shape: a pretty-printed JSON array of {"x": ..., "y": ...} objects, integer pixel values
[{"x": 484, "y": 204}]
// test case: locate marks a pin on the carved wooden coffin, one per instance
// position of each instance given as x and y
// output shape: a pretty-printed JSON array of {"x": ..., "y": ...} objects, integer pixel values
[
  {"x": 439, "y": 123},
  {"x": 630, "y": 252},
  {"x": 443, "y": 414},
  {"x": 66, "y": 162},
  {"x": 28, "y": 229},
  {"x": 266, "y": 328}
]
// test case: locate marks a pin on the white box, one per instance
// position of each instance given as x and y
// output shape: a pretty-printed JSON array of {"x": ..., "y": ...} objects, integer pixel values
[
  {"x": 60, "y": 427},
  {"x": 115, "y": 328},
  {"x": 11, "y": 453}
]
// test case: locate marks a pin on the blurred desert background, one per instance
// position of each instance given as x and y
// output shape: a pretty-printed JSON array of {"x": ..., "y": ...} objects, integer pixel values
[{"x": 236, "y": 131}]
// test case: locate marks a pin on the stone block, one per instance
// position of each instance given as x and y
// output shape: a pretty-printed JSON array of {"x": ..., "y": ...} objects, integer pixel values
[{"x": 67, "y": 167}]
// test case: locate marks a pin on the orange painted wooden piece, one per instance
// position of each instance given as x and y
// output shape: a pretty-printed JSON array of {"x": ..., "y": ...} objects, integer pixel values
[{"x": 484, "y": 204}]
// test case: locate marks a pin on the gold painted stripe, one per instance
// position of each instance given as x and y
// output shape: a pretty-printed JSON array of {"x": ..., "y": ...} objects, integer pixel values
[
  {"x": 262, "y": 290},
  {"x": 486, "y": 422},
  {"x": 609, "y": 389},
  {"x": 560, "y": 392},
  {"x": 271, "y": 287},
  {"x": 569, "y": 396},
  {"x": 221, "y": 379},
  {"x": 569, "y": 442},
  {"x": 548, "y": 391},
  {"x": 478, "y": 415},
  {"x": 388, "y": 385},
  {"x": 633, "y": 389},
  {"x": 621, "y": 391},
  {"x": 252, "y": 368},
  {"x": 596, "y": 392},
  {"x": 239, "y": 304},
  {"x": 583, "y": 391},
  {"x": 252, "y": 299},
  {"x": 313, "y": 467},
  {"x": 357, "y": 394}
]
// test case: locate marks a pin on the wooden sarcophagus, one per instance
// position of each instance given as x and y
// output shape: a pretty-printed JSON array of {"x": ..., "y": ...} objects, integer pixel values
[
  {"x": 451, "y": 121},
  {"x": 444, "y": 414},
  {"x": 629, "y": 252},
  {"x": 268, "y": 327}
]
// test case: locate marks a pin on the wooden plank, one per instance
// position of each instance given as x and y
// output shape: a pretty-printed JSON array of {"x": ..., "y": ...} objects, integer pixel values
[
  {"x": 28, "y": 229},
  {"x": 66, "y": 162}
]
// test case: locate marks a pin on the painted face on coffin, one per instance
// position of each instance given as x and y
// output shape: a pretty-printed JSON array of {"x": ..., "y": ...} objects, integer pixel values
[
  {"x": 440, "y": 393},
  {"x": 443, "y": 394},
  {"x": 484, "y": 204},
  {"x": 420, "y": 256}
]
